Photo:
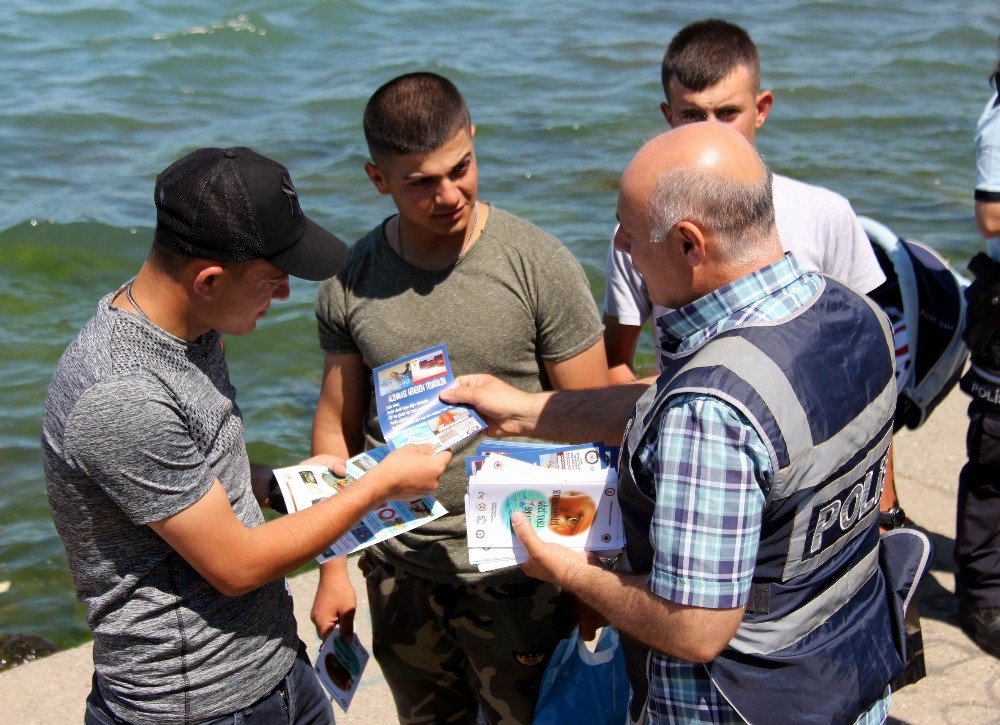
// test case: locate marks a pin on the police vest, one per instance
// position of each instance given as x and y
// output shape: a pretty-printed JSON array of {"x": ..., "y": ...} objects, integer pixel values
[{"x": 817, "y": 641}]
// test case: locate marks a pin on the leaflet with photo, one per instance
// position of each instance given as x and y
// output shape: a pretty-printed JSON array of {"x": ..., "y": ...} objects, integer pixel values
[
  {"x": 305, "y": 486},
  {"x": 409, "y": 411},
  {"x": 340, "y": 667},
  {"x": 578, "y": 509}
]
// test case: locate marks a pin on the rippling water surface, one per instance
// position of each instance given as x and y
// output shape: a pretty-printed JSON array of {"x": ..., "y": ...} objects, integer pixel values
[{"x": 877, "y": 100}]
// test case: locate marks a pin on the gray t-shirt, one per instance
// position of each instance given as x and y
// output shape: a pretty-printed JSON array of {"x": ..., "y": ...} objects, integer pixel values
[
  {"x": 518, "y": 298},
  {"x": 137, "y": 426}
]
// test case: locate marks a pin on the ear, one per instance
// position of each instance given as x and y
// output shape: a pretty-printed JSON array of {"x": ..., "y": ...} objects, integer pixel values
[
  {"x": 207, "y": 279},
  {"x": 692, "y": 243},
  {"x": 668, "y": 115},
  {"x": 472, "y": 131},
  {"x": 377, "y": 178},
  {"x": 764, "y": 102}
]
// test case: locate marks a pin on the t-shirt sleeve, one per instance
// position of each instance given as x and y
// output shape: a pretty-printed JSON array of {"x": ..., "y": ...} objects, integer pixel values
[
  {"x": 565, "y": 312},
  {"x": 131, "y": 438},
  {"x": 850, "y": 258},
  {"x": 331, "y": 317},
  {"x": 988, "y": 155},
  {"x": 711, "y": 470},
  {"x": 625, "y": 296}
]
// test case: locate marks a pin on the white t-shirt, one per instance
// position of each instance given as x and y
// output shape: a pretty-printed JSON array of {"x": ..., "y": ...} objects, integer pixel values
[
  {"x": 988, "y": 162},
  {"x": 817, "y": 225}
]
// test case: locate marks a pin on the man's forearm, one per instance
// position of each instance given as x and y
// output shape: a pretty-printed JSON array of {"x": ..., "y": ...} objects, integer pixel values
[
  {"x": 988, "y": 218},
  {"x": 620, "y": 343},
  {"x": 580, "y": 416},
  {"x": 691, "y": 633},
  {"x": 283, "y": 545},
  {"x": 598, "y": 414},
  {"x": 237, "y": 559},
  {"x": 332, "y": 440}
]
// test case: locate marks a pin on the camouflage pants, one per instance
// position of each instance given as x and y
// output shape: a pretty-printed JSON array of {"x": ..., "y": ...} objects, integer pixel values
[{"x": 447, "y": 650}]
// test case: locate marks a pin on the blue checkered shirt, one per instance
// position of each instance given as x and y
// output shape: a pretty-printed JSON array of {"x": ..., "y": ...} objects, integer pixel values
[{"x": 710, "y": 470}]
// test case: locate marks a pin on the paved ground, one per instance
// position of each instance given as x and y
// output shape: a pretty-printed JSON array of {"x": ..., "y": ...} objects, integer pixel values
[{"x": 962, "y": 684}]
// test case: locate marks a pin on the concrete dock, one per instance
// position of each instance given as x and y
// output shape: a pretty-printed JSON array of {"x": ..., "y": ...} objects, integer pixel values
[{"x": 962, "y": 683}]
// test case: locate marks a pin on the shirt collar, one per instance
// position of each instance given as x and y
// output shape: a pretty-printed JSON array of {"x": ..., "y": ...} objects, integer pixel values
[{"x": 678, "y": 326}]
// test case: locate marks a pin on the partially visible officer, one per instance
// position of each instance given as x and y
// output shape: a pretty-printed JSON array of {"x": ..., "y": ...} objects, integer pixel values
[
  {"x": 977, "y": 539},
  {"x": 147, "y": 471},
  {"x": 751, "y": 470}
]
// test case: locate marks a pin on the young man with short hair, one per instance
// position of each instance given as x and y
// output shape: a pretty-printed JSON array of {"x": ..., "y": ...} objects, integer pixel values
[
  {"x": 147, "y": 470},
  {"x": 505, "y": 297},
  {"x": 711, "y": 72}
]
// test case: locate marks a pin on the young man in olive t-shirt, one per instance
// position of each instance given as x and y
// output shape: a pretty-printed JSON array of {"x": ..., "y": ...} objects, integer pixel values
[{"x": 505, "y": 297}]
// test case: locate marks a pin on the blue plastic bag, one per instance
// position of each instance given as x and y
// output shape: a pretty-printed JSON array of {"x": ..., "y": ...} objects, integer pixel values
[{"x": 582, "y": 686}]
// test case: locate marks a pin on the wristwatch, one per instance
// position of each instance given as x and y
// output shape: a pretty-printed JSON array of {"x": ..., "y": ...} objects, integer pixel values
[{"x": 891, "y": 518}]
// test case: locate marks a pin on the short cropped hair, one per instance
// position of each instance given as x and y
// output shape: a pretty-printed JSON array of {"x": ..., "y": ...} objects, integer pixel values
[
  {"x": 414, "y": 113},
  {"x": 171, "y": 262},
  {"x": 740, "y": 216},
  {"x": 705, "y": 52}
]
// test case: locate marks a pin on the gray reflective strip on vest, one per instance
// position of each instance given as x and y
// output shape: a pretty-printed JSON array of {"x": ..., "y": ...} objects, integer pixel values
[
  {"x": 834, "y": 452},
  {"x": 762, "y": 374},
  {"x": 766, "y": 637},
  {"x": 799, "y": 561}
]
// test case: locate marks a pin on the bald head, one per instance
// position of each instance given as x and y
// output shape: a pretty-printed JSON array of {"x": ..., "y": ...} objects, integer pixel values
[
  {"x": 696, "y": 213},
  {"x": 714, "y": 149},
  {"x": 709, "y": 175},
  {"x": 711, "y": 150}
]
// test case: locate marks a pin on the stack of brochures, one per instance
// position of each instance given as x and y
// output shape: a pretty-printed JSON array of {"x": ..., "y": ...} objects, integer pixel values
[
  {"x": 406, "y": 398},
  {"x": 569, "y": 494}
]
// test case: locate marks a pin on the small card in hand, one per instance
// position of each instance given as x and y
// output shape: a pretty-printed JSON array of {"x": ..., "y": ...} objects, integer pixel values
[{"x": 340, "y": 666}]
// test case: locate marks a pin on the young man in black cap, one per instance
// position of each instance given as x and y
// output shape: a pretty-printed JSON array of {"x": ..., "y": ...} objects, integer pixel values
[{"x": 147, "y": 470}]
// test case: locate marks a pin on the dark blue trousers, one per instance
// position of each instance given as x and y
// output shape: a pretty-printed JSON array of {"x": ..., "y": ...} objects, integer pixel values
[{"x": 299, "y": 698}]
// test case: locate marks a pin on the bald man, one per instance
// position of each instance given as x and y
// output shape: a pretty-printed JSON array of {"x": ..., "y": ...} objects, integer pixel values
[{"x": 750, "y": 471}]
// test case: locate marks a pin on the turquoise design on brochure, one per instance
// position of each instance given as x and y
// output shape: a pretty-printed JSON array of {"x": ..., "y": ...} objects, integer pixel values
[{"x": 409, "y": 411}]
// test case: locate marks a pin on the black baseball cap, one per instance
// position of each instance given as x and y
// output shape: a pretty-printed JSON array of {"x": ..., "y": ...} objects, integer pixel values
[{"x": 233, "y": 205}]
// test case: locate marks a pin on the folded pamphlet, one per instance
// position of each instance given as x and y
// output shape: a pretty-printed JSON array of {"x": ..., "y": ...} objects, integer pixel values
[
  {"x": 305, "y": 486},
  {"x": 409, "y": 410}
]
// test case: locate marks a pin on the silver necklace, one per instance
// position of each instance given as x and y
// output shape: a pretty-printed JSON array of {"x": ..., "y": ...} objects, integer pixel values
[
  {"x": 131, "y": 299},
  {"x": 466, "y": 245}
]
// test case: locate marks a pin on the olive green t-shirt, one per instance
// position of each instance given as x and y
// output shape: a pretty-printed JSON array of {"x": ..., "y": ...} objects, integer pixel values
[{"x": 516, "y": 299}]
